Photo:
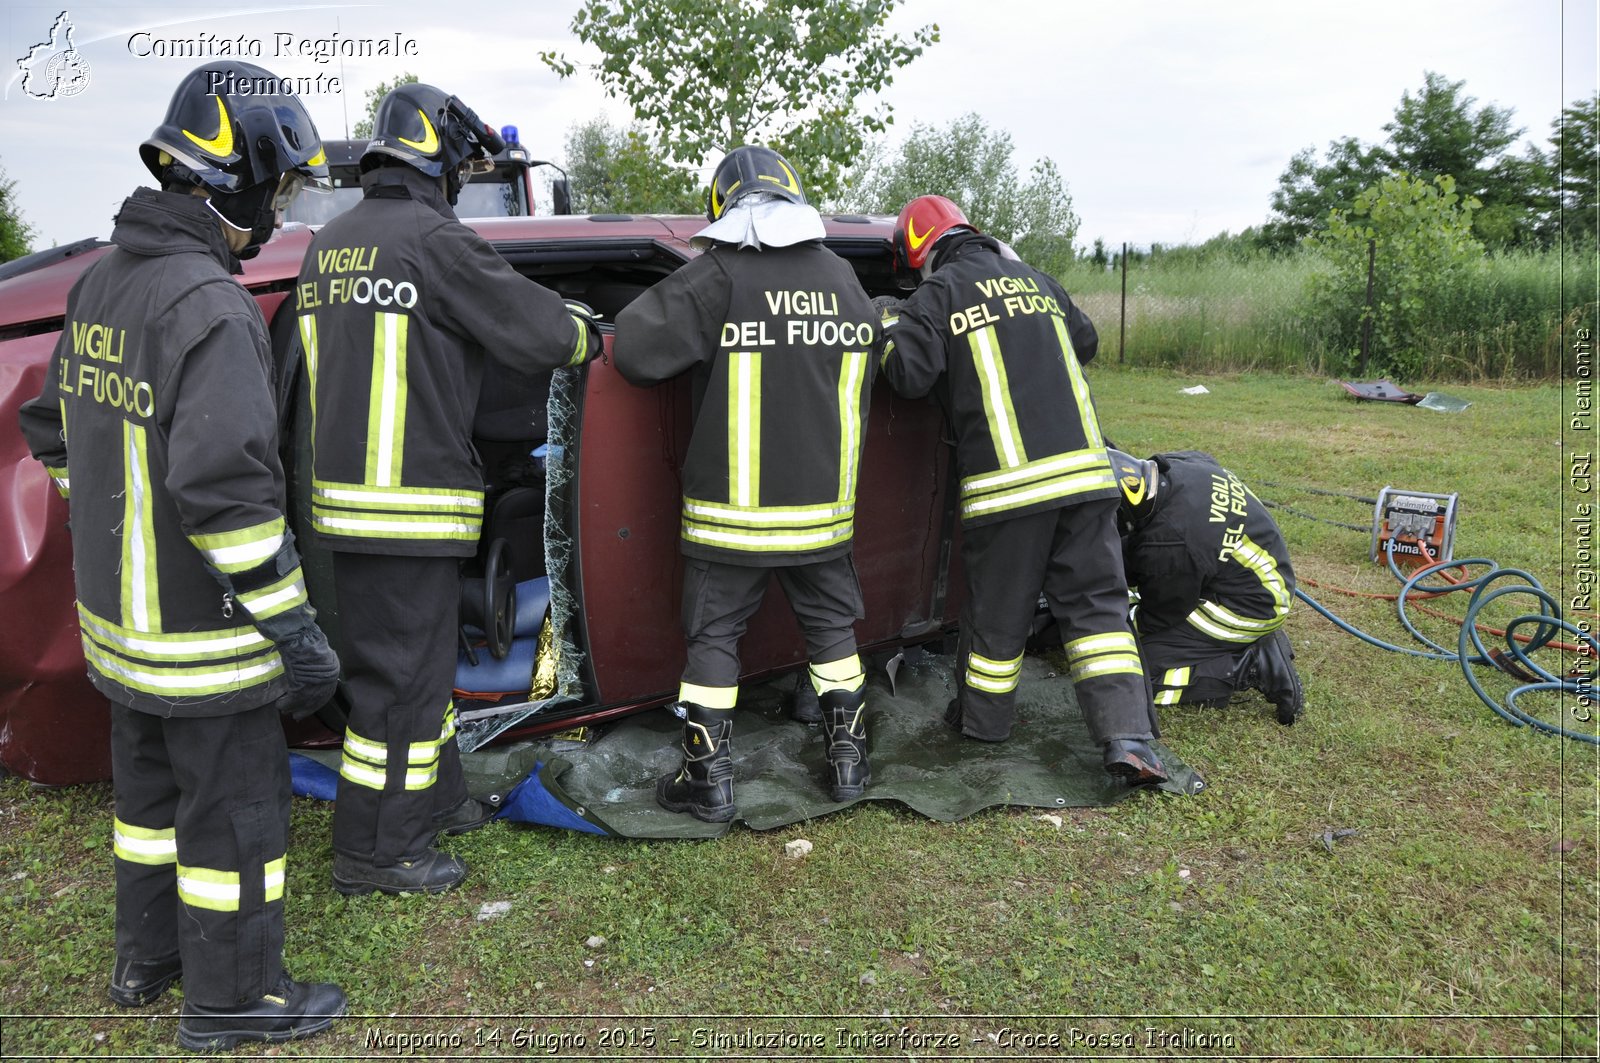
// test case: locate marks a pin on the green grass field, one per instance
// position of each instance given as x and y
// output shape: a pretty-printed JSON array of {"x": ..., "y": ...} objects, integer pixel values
[{"x": 1458, "y": 919}]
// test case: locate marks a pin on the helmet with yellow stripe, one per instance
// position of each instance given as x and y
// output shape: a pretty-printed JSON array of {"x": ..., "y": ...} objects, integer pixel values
[
  {"x": 1138, "y": 479},
  {"x": 434, "y": 132},
  {"x": 230, "y": 140},
  {"x": 233, "y": 130},
  {"x": 751, "y": 168},
  {"x": 920, "y": 225}
]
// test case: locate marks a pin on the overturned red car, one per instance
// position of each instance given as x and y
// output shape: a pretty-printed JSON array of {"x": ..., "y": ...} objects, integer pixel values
[{"x": 570, "y": 610}]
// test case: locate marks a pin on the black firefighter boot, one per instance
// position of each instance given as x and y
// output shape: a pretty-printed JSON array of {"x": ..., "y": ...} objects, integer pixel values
[
  {"x": 703, "y": 787},
  {"x": 1133, "y": 760},
  {"x": 291, "y": 1010},
  {"x": 844, "y": 725},
  {"x": 1268, "y": 666}
]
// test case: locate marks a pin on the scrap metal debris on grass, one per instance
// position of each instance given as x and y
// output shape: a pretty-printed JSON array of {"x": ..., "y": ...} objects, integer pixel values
[{"x": 1388, "y": 391}]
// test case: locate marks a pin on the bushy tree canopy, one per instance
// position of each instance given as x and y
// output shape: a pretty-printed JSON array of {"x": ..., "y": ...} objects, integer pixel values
[
  {"x": 973, "y": 165},
  {"x": 16, "y": 235},
  {"x": 618, "y": 171},
  {"x": 1436, "y": 131},
  {"x": 706, "y": 76},
  {"x": 1424, "y": 254}
]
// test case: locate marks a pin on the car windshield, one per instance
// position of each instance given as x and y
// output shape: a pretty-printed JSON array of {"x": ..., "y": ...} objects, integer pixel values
[
  {"x": 493, "y": 195},
  {"x": 311, "y": 209}
]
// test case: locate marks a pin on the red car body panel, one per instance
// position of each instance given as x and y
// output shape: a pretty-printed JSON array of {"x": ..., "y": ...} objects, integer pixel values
[{"x": 54, "y": 726}]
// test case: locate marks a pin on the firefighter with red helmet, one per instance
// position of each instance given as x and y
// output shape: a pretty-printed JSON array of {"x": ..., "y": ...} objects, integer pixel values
[
  {"x": 1003, "y": 347},
  {"x": 777, "y": 332},
  {"x": 157, "y": 422},
  {"x": 1214, "y": 582},
  {"x": 399, "y": 307}
]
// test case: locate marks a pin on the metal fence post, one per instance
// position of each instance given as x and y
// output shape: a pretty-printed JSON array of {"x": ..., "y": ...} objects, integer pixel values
[
  {"x": 1366, "y": 318},
  {"x": 1122, "y": 329}
]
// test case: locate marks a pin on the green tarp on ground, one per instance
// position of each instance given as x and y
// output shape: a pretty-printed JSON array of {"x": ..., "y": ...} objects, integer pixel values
[{"x": 917, "y": 760}]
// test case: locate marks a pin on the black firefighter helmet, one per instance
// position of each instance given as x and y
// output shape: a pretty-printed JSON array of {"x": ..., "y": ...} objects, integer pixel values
[
  {"x": 253, "y": 148},
  {"x": 751, "y": 168},
  {"x": 434, "y": 132},
  {"x": 1139, "y": 479}
]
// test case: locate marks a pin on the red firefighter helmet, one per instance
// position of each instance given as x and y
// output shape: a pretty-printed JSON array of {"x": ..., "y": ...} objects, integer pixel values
[{"x": 921, "y": 223}]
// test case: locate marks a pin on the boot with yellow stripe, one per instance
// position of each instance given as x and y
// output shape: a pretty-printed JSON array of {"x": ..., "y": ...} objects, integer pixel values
[
  {"x": 290, "y": 1011},
  {"x": 844, "y": 725},
  {"x": 703, "y": 786}
]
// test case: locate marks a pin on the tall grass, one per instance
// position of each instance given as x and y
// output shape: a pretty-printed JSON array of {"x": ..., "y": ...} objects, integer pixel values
[{"x": 1230, "y": 311}]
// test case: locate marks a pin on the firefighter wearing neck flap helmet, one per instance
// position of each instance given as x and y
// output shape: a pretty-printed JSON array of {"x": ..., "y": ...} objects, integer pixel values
[
  {"x": 399, "y": 307},
  {"x": 195, "y": 621},
  {"x": 777, "y": 332}
]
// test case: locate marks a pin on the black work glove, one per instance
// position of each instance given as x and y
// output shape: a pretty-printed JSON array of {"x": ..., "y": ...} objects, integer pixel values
[
  {"x": 311, "y": 669},
  {"x": 887, "y": 306}
]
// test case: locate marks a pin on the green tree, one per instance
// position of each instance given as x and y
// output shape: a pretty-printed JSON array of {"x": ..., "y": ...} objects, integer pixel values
[
  {"x": 1309, "y": 189},
  {"x": 705, "y": 76},
  {"x": 618, "y": 171},
  {"x": 1425, "y": 266},
  {"x": 973, "y": 166},
  {"x": 375, "y": 96},
  {"x": 16, "y": 235},
  {"x": 1438, "y": 130},
  {"x": 1575, "y": 166}
]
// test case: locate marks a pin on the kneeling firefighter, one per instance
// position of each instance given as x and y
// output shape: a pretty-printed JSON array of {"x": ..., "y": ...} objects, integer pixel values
[
  {"x": 1214, "y": 582},
  {"x": 777, "y": 331},
  {"x": 190, "y": 595},
  {"x": 399, "y": 305},
  {"x": 1003, "y": 347}
]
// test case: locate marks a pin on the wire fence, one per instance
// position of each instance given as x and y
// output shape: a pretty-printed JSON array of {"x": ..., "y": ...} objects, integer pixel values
[{"x": 1507, "y": 318}]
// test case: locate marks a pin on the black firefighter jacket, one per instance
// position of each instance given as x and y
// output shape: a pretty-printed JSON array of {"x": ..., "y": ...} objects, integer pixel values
[
  {"x": 398, "y": 305},
  {"x": 160, "y": 391},
  {"x": 1005, "y": 347},
  {"x": 1209, "y": 557},
  {"x": 780, "y": 341}
]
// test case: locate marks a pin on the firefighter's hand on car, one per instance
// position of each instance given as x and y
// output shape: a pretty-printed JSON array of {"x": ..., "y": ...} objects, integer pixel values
[
  {"x": 888, "y": 308},
  {"x": 311, "y": 669},
  {"x": 589, "y": 321}
]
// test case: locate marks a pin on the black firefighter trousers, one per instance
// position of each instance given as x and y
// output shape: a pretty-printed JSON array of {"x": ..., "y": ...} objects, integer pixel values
[
  {"x": 1188, "y": 666},
  {"x": 398, "y": 618},
  {"x": 1075, "y": 556},
  {"x": 719, "y": 600},
  {"x": 201, "y": 827}
]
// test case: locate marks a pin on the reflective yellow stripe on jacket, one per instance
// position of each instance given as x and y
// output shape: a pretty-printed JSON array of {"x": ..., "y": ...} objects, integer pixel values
[
  {"x": 1224, "y": 624},
  {"x": 369, "y": 512},
  {"x": 743, "y": 522},
  {"x": 178, "y": 664},
  {"x": 1058, "y": 476}
]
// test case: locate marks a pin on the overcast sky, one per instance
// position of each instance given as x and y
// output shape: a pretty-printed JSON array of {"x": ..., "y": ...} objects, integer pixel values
[{"x": 1169, "y": 120}]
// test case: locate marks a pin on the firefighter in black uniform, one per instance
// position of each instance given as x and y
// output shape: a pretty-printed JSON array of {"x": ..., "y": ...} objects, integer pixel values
[
  {"x": 778, "y": 333},
  {"x": 1214, "y": 582},
  {"x": 399, "y": 304},
  {"x": 1004, "y": 347},
  {"x": 190, "y": 597}
]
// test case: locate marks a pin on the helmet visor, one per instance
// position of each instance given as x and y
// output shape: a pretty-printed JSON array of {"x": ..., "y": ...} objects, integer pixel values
[{"x": 290, "y": 185}]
